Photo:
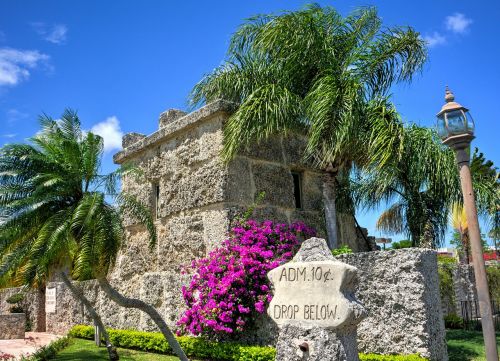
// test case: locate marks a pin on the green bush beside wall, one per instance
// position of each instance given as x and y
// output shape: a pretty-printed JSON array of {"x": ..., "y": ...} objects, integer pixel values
[
  {"x": 375, "y": 357},
  {"x": 192, "y": 346},
  {"x": 203, "y": 349}
]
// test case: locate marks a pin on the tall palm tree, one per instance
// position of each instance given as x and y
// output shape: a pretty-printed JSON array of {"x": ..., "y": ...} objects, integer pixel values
[
  {"x": 419, "y": 184},
  {"x": 458, "y": 220},
  {"x": 42, "y": 195},
  {"x": 57, "y": 215},
  {"x": 319, "y": 74}
]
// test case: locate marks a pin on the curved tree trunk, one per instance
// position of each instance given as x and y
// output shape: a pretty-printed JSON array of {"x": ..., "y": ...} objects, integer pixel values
[
  {"x": 78, "y": 294},
  {"x": 329, "y": 198},
  {"x": 148, "y": 309}
]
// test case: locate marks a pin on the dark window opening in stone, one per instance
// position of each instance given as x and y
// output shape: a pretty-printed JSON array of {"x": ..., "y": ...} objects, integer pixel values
[
  {"x": 156, "y": 204},
  {"x": 297, "y": 189}
]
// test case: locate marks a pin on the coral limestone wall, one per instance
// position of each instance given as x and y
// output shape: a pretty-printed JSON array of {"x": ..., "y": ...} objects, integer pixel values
[{"x": 400, "y": 290}]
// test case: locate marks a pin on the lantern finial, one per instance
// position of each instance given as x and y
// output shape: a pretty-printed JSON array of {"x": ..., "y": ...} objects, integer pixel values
[{"x": 449, "y": 97}]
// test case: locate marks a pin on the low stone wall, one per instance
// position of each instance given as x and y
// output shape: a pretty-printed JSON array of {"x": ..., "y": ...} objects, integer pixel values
[
  {"x": 400, "y": 291},
  {"x": 159, "y": 289},
  {"x": 399, "y": 288},
  {"x": 33, "y": 305},
  {"x": 12, "y": 326}
]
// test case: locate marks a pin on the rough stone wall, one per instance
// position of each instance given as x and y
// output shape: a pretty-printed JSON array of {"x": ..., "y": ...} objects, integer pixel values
[
  {"x": 400, "y": 291},
  {"x": 199, "y": 195},
  {"x": 33, "y": 305},
  {"x": 190, "y": 215},
  {"x": 12, "y": 326},
  {"x": 464, "y": 285},
  {"x": 68, "y": 312},
  {"x": 155, "y": 290},
  {"x": 268, "y": 165}
]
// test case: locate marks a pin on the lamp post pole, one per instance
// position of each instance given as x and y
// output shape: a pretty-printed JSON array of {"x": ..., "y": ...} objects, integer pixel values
[
  {"x": 483, "y": 294},
  {"x": 459, "y": 141}
]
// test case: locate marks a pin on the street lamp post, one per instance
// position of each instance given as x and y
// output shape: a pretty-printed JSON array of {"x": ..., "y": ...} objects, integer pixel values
[{"x": 456, "y": 129}]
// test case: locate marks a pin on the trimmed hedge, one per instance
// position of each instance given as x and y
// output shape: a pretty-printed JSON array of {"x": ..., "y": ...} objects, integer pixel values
[
  {"x": 375, "y": 357},
  {"x": 192, "y": 346},
  {"x": 203, "y": 349}
]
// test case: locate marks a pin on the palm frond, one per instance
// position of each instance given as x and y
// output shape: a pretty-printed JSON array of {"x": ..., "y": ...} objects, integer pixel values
[
  {"x": 392, "y": 220},
  {"x": 268, "y": 110}
]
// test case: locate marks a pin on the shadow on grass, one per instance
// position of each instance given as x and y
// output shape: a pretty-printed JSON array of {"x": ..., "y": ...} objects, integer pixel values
[
  {"x": 80, "y": 355},
  {"x": 465, "y": 345},
  {"x": 461, "y": 353},
  {"x": 96, "y": 354}
]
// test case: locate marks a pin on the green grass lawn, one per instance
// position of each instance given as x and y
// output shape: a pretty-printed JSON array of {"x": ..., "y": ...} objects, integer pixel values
[
  {"x": 84, "y": 350},
  {"x": 466, "y": 345},
  {"x": 462, "y": 346}
]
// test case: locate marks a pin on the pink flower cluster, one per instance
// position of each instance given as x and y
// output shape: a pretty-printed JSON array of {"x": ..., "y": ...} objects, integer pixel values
[{"x": 230, "y": 285}]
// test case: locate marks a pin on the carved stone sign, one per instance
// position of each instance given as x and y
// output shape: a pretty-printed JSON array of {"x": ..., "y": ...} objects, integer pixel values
[
  {"x": 309, "y": 293},
  {"x": 313, "y": 301},
  {"x": 50, "y": 300},
  {"x": 313, "y": 293}
]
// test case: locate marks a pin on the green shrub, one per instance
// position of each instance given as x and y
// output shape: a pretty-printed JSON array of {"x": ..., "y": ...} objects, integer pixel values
[
  {"x": 493, "y": 274},
  {"x": 49, "y": 351},
  {"x": 256, "y": 353},
  {"x": 15, "y": 298},
  {"x": 192, "y": 346},
  {"x": 375, "y": 357},
  {"x": 443, "y": 259},
  {"x": 404, "y": 243},
  {"x": 453, "y": 321},
  {"x": 202, "y": 349},
  {"x": 344, "y": 249},
  {"x": 445, "y": 272}
]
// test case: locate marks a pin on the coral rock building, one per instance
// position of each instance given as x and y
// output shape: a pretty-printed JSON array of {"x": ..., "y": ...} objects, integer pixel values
[{"x": 194, "y": 195}]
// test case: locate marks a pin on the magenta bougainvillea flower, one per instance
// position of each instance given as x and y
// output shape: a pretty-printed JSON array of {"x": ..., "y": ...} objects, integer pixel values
[{"x": 230, "y": 285}]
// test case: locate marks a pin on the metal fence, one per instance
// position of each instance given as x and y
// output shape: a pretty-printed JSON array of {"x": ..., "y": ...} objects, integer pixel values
[{"x": 472, "y": 316}]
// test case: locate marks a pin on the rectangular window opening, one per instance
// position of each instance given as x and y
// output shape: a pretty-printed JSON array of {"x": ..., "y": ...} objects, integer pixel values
[
  {"x": 297, "y": 189},
  {"x": 156, "y": 203}
]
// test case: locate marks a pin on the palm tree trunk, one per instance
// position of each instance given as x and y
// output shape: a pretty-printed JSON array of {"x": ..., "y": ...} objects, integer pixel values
[
  {"x": 78, "y": 295},
  {"x": 466, "y": 247},
  {"x": 329, "y": 198},
  {"x": 148, "y": 309}
]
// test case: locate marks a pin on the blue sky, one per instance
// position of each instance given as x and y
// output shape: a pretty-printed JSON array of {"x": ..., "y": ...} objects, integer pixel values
[{"x": 121, "y": 63}]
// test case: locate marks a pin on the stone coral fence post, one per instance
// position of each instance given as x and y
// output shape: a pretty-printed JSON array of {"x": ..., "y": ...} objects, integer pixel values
[{"x": 315, "y": 307}]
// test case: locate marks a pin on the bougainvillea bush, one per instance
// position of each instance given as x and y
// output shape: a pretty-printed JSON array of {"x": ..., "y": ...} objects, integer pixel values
[{"x": 230, "y": 285}]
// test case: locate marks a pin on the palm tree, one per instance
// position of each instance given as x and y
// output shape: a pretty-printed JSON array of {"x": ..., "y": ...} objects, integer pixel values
[
  {"x": 41, "y": 202},
  {"x": 315, "y": 73},
  {"x": 495, "y": 234},
  {"x": 57, "y": 215},
  {"x": 458, "y": 220},
  {"x": 419, "y": 183}
]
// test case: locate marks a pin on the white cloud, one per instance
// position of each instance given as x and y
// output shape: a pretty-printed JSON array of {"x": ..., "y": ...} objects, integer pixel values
[
  {"x": 15, "y": 64},
  {"x": 55, "y": 34},
  {"x": 110, "y": 131},
  {"x": 9, "y": 135},
  {"x": 434, "y": 39},
  {"x": 457, "y": 23}
]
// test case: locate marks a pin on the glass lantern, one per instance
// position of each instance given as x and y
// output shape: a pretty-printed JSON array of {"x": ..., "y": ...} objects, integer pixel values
[{"x": 454, "y": 119}]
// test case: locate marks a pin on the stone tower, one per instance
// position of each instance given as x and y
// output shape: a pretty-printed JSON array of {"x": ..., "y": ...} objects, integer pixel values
[{"x": 194, "y": 195}]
